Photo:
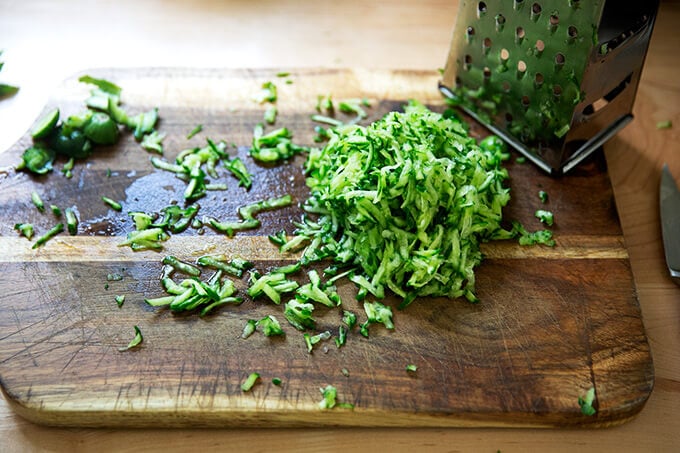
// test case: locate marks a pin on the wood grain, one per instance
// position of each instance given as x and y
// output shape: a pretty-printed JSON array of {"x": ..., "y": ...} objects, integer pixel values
[{"x": 551, "y": 324}]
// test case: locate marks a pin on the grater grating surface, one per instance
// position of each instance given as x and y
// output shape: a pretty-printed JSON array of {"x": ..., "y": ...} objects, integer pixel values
[{"x": 555, "y": 78}]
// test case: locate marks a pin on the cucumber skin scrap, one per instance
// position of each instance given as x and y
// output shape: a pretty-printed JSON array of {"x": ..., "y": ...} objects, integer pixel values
[{"x": 410, "y": 198}]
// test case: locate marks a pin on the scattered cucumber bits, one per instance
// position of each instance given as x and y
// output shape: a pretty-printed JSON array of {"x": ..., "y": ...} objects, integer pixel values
[
  {"x": 37, "y": 159},
  {"x": 270, "y": 114},
  {"x": 275, "y": 146},
  {"x": 268, "y": 93},
  {"x": 55, "y": 230},
  {"x": 136, "y": 341},
  {"x": 46, "y": 124},
  {"x": 249, "y": 328},
  {"x": 311, "y": 340},
  {"x": 101, "y": 129},
  {"x": 666, "y": 124},
  {"x": 113, "y": 204},
  {"x": 586, "y": 402},
  {"x": 71, "y": 221},
  {"x": 546, "y": 217},
  {"x": 37, "y": 201},
  {"x": 329, "y": 394},
  {"x": 250, "y": 381},
  {"x": 194, "y": 131},
  {"x": 5, "y": 89},
  {"x": 239, "y": 170},
  {"x": 329, "y": 401},
  {"x": 77, "y": 136},
  {"x": 270, "y": 326},
  {"x": 25, "y": 229}
]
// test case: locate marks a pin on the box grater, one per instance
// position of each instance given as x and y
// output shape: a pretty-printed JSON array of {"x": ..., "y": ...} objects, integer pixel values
[{"x": 554, "y": 78}]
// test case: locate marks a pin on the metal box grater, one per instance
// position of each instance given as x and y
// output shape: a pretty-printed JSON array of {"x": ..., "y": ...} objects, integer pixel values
[{"x": 554, "y": 78}]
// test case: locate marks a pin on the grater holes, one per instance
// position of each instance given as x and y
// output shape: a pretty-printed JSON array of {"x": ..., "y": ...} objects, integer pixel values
[
  {"x": 536, "y": 9},
  {"x": 572, "y": 32},
  {"x": 557, "y": 91},
  {"x": 539, "y": 46},
  {"x": 519, "y": 35},
  {"x": 538, "y": 79},
  {"x": 486, "y": 73},
  {"x": 526, "y": 101},
  {"x": 467, "y": 60},
  {"x": 560, "y": 59},
  {"x": 505, "y": 55},
  {"x": 553, "y": 22},
  {"x": 521, "y": 69},
  {"x": 470, "y": 32},
  {"x": 481, "y": 9},
  {"x": 500, "y": 22},
  {"x": 486, "y": 45}
]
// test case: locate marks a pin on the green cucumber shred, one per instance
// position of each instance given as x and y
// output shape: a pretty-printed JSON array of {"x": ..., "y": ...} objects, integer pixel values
[
  {"x": 267, "y": 93},
  {"x": 153, "y": 142},
  {"x": 71, "y": 221},
  {"x": 239, "y": 170},
  {"x": 299, "y": 314},
  {"x": 25, "y": 229},
  {"x": 194, "y": 131},
  {"x": 37, "y": 159},
  {"x": 113, "y": 204},
  {"x": 544, "y": 216},
  {"x": 329, "y": 399},
  {"x": 6, "y": 90},
  {"x": 37, "y": 201},
  {"x": 329, "y": 394},
  {"x": 586, "y": 402},
  {"x": 270, "y": 326},
  {"x": 311, "y": 340},
  {"x": 249, "y": 328},
  {"x": 52, "y": 232},
  {"x": 250, "y": 381},
  {"x": 135, "y": 342}
]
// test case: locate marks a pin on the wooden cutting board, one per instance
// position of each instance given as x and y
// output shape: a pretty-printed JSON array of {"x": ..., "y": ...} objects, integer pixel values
[{"x": 552, "y": 322}]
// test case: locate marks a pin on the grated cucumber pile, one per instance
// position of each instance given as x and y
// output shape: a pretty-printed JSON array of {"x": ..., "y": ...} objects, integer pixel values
[{"x": 405, "y": 202}]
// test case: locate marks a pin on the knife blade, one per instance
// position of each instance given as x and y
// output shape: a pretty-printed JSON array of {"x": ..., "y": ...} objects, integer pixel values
[{"x": 669, "y": 203}]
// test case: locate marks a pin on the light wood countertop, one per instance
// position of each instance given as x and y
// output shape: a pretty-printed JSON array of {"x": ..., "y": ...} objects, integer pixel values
[{"x": 46, "y": 41}]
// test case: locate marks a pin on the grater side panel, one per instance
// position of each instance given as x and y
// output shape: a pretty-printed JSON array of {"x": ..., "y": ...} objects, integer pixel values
[
  {"x": 521, "y": 69},
  {"x": 611, "y": 80}
]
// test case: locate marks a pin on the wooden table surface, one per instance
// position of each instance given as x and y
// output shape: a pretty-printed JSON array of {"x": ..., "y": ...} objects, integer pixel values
[{"x": 46, "y": 41}]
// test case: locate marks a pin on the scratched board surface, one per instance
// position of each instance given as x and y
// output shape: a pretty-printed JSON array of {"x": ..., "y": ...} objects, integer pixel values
[{"x": 551, "y": 322}]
